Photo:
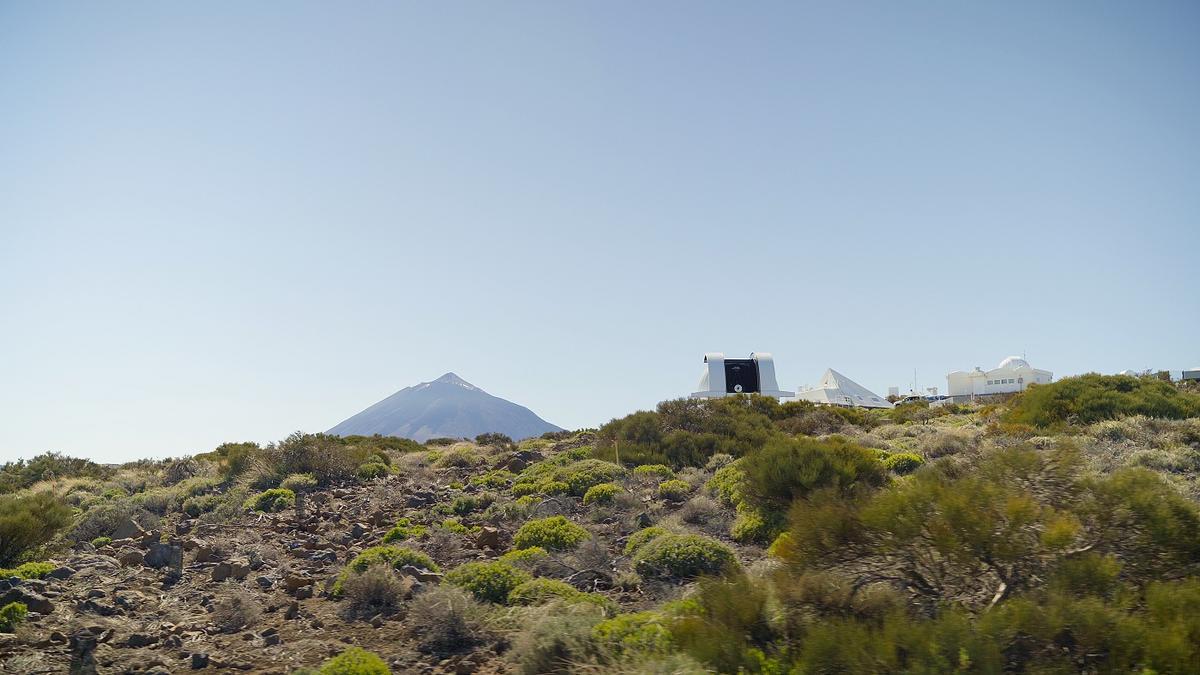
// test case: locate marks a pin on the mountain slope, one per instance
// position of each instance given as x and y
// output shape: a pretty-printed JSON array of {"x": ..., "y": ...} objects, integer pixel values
[{"x": 446, "y": 407}]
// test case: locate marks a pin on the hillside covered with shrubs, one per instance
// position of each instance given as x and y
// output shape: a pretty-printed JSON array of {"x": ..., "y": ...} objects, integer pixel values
[{"x": 1055, "y": 532}]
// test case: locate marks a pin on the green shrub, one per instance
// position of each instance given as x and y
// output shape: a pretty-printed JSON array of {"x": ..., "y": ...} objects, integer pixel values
[
  {"x": 494, "y": 438},
  {"x": 23, "y": 473},
  {"x": 642, "y": 537},
  {"x": 27, "y": 523},
  {"x": 903, "y": 462},
  {"x": 787, "y": 468},
  {"x": 540, "y": 591},
  {"x": 12, "y": 615},
  {"x": 396, "y": 556},
  {"x": 687, "y": 432},
  {"x": 326, "y": 457},
  {"x": 729, "y": 484},
  {"x": 651, "y": 470},
  {"x": 634, "y": 634},
  {"x": 465, "y": 504},
  {"x": 555, "y": 533},
  {"x": 194, "y": 506},
  {"x": 495, "y": 479},
  {"x": 455, "y": 525},
  {"x": 355, "y": 661},
  {"x": 1087, "y": 399},
  {"x": 372, "y": 470},
  {"x": 674, "y": 490},
  {"x": 30, "y": 570},
  {"x": 462, "y": 457},
  {"x": 583, "y": 474},
  {"x": 682, "y": 556},
  {"x": 271, "y": 501},
  {"x": 487, "y": 581},
  {"x": 604, "y": 493},
  {"x": 756, "y": 526},
  {"x": 404, "y": 529},
  {"x": 101, "y": 541},
  {"x": 299, "y": 482}
]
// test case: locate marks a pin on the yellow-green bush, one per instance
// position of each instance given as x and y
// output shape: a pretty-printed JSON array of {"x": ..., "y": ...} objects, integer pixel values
[
  {"x": 270, "y": 501},
  {"x": 541, "y": 590},
  {"x": 404, "y": 529},
  {"x": 30, "y": 570},
  {"x": 604, "y": 493},
  {"x": 903, "y": 462},
  {"x": 642, "y": 537},
  {"x": 12, "y": 615},
  {"x": 372, "y": 470},
  {"x": 674, "y": 490},
  {"x": 355, "y": 661},
  {"x": 395, "y": 556},
  {"x": 638, "y": 633},
  {"x": 653, "y": 471},
  {"x": 555, "y": 533},
  {"x": 682, "y": 556},
  {"x": 487, "y": 581}
]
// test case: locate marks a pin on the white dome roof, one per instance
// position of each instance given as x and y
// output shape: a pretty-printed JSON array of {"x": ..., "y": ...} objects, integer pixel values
[{"x": 1014, "y": 362}]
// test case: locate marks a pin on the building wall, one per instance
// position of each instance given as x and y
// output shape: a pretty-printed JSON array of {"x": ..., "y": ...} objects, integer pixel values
[{"x": 995, "y": 381}]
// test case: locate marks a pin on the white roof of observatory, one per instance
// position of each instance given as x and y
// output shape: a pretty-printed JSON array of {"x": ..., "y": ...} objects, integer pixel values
[{"x": 837, "y": 389}]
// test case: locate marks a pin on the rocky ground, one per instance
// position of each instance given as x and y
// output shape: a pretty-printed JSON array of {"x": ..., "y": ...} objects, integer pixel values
[{"x": 253, "y": 594}]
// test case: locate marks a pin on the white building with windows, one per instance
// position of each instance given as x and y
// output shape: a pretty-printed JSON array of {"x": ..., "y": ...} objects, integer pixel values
[{"x": 1012, "y": 375}]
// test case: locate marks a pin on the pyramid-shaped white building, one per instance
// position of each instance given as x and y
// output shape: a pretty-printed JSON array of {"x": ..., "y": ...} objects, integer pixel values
[{"x": 837, "y": 389}]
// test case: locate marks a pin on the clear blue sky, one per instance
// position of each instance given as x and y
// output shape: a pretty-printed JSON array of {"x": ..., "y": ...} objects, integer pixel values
[{"x": 229, "y": 221}]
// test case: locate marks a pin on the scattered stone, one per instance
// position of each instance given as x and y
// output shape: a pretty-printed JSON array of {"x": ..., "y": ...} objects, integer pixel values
[
  {"x": 36, "y": 602},
  {"x": 61, "y": 573},
  {"x": 293, "y": 611},
  {"x": 304, "y": 593},
  {"x": 130, "y": 557},
  {"x": 421, "y": 574},
  {"x": 128, "y": 530},
  {"x": 141, "y": 640},
  {"x": 264, "y": 582},
  {"x": 488, "y": 537},
  {"x": 199, "y": 660},
  {"x": 163, "y": 555}
]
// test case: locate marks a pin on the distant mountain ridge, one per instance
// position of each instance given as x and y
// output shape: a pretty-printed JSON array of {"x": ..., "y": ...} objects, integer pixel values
[{"x": 446, "y": 407}]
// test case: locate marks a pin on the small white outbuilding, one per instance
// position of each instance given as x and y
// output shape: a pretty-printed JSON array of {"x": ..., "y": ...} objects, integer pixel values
[{"x": 837, "y": 389}]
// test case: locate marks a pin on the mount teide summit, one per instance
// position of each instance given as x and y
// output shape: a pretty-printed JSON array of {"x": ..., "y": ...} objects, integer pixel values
[{"x": 447, "y": 407}]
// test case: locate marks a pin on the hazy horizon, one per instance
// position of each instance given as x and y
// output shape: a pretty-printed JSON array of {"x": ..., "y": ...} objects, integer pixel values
[{"x": 229, "y": 222}]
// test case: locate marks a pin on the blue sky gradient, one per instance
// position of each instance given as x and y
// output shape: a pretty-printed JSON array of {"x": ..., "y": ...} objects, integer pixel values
[{"x": 229, "y": 221}]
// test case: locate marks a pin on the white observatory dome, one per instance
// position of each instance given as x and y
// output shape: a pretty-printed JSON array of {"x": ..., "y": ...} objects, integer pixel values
[{"x": 1014, "y": 362}]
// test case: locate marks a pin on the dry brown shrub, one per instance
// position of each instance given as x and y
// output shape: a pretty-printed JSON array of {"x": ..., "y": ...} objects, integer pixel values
[
  {"x": 378, "y": 590},
  {"x": 236, "y": 611}
]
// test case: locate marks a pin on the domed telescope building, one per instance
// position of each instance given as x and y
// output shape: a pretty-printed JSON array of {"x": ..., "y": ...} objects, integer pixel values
[
  {"x": 730, "y": 377},
  {"x": 1012, "y": 375}
]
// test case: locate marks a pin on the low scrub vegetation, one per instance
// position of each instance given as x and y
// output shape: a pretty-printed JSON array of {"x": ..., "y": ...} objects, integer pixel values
[
  {"x": 1087, "y": 399},
  {"x": 1058, "y": 531}
]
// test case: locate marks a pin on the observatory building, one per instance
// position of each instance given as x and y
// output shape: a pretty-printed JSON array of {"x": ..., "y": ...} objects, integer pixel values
[
  {"x": 729, "y": 377},
  {"x": 1012, "y": 375},
  {"x": 837, "y": 389}
]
